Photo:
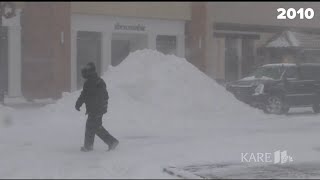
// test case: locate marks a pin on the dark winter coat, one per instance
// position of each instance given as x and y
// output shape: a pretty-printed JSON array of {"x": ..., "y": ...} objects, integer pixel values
[{"x": 94, "y": 95}]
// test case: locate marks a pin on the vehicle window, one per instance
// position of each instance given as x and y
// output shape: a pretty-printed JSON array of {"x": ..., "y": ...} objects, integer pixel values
[
  {"x": 292, "y": 73},
  {"x": 273, "y": 72},
  {"x": 310, "y": 72}
]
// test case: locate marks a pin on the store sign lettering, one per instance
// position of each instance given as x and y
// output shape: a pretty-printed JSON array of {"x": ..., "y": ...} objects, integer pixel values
[{"x": 138, "y": 27}]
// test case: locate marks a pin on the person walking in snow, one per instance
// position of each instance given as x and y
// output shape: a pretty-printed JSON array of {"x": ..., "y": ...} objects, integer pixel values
[{"x": 95, "y": 96}]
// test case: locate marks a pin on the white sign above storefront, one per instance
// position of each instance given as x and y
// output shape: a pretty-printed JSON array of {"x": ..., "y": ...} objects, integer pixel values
[{"x": 137, "y": 27}]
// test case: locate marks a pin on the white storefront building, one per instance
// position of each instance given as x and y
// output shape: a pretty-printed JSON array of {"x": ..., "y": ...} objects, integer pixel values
[{"x": 126, "y": 33}]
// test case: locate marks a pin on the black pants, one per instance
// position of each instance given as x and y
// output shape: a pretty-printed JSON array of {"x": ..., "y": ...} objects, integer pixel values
[{"x": 94, "y": 127}]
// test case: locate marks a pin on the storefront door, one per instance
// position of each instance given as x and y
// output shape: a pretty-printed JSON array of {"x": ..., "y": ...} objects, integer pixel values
[
  {"x": 124, "y": 43},
  {"x": 120, "y": 50},
  {"x": 88, "y": 50},
  {"x": 247, "y": 57},
  {"x": 231, "y": 60}
]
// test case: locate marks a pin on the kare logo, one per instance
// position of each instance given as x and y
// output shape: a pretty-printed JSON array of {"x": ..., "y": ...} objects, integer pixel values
[
  {"x": 282, "y": 157},
  {"x": 279, "y": 157}
]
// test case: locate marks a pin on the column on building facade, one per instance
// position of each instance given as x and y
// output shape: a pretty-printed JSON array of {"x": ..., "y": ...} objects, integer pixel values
[
  {"x": 73, "y": 66},
  {"x": 152, "y": 41},
  {"x": 14, "y": 55},
  {"x": 218, "y": 51},
  {"x": 239, "y": 53},
  {"x": 181, "y": 45},
  {"x": 106, "y": 51}
]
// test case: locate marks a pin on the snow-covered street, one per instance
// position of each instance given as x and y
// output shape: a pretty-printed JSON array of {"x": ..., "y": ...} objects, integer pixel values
[{"x": 164, "y": 112}]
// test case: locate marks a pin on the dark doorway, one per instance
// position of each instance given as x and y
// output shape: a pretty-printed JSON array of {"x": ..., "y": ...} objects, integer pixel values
[
  {"x": 123, "y": 44},
  {"x": 4, "y": 59},
  {"x": 247, "y": 56},
  {"x": 167, "y": 44},
  {"x": 88, "y": 50},
  {"x": 120, "y": 50},
  {"x": 231, "y": 59}
]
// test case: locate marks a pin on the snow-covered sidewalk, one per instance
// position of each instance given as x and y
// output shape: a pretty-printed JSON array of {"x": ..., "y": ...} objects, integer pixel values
[{"x": 34, "y": 148}]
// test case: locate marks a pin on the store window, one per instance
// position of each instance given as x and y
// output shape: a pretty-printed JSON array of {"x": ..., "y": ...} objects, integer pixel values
[{"x": 166, "y": 44}]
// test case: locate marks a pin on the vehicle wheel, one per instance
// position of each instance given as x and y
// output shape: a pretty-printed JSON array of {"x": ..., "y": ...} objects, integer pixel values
[
  {"x": 316, "y": 108},
  {"x": 275, "y": 105}
]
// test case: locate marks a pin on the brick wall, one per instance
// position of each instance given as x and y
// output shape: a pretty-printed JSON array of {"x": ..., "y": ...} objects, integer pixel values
[
  {"x": 45, "y": 61},
  {"x": 196, "y": 34}
]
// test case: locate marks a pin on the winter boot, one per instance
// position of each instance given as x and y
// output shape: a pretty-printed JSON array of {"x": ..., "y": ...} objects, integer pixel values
[
  {"x": 84, "y": 149},
  {"x": 113, "y": 145}
]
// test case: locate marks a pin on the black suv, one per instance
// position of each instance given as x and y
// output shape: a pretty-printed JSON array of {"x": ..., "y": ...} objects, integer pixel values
[{"x": 277, "y": 87}]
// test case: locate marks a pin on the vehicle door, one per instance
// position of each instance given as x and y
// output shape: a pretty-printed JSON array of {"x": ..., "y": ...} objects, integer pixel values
[
  {"x": 310, "y": 83},
  {"x": 293, "y": 85}
]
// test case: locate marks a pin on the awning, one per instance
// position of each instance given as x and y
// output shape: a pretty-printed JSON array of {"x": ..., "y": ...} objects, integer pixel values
[{"x": 291, "y": 39}]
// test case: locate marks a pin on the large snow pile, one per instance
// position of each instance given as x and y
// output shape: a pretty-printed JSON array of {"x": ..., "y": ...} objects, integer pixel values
[
  {"x": 171, "y": 84},
  {"x": 153, "y": 91}
]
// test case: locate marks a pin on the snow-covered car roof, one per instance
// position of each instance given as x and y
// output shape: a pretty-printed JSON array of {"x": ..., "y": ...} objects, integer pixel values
[
  {"x": 279, "y": 64},
  {"x": 290, "y": 64}
]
